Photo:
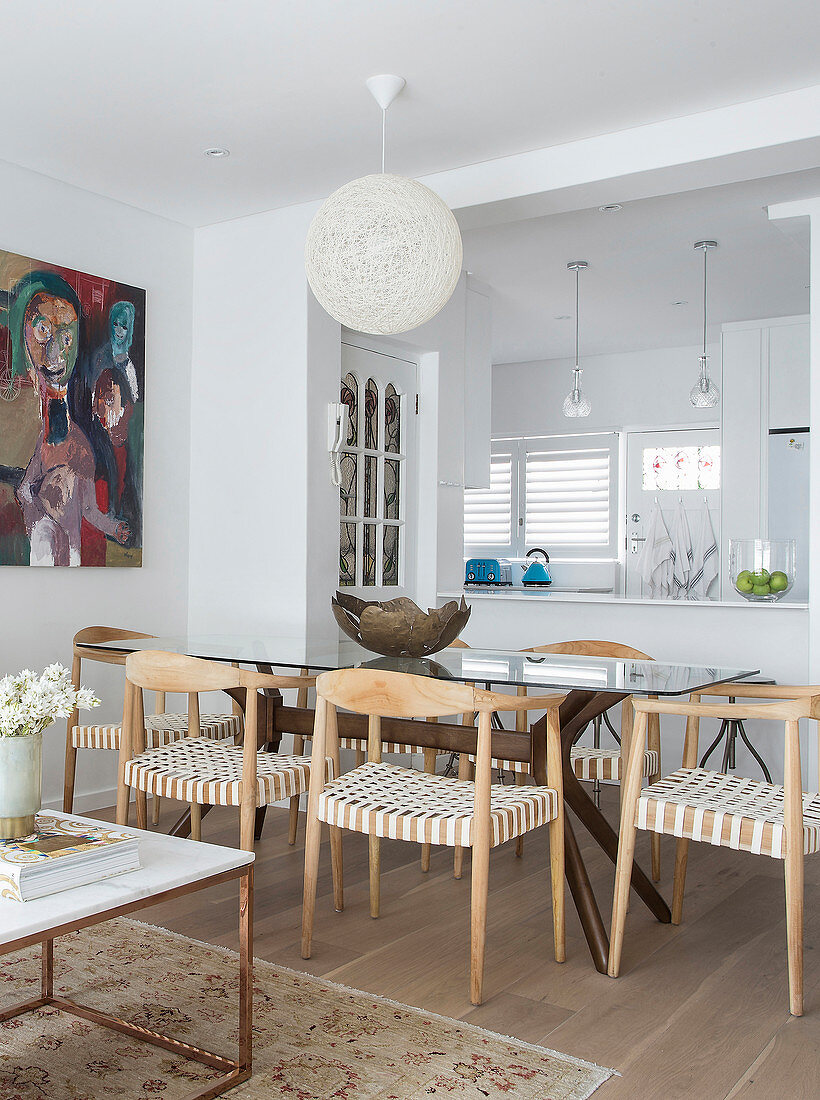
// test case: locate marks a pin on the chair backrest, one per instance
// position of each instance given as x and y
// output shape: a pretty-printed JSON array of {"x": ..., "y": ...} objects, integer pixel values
[
  {"x": 381, "y": 694},
  {"x": 583, "y": 647},
  {"x": 394, "y": 694},
  {"x": 161, "y": 671},
  {"x": 91, "y": 635}
]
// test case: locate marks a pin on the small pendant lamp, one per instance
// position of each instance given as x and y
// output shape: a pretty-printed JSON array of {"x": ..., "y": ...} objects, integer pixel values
[
  {"x": 575, "y": 403},
  {"x": 704, "y": 394},
  {"x": 383, "y": 253}
]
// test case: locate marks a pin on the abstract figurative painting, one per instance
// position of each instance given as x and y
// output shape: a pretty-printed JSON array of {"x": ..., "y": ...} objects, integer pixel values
[{"x": 72, "y": 385}]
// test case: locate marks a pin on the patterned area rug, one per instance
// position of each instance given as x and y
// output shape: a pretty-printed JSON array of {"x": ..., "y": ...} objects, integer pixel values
[{"x": 313, "y": 1040}]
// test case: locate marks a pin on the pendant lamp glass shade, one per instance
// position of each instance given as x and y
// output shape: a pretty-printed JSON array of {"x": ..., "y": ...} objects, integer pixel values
[
  {"x": 704, "y": 394},
  {"x": 383, "y": 254},
  {"x": 576, "y": 403}
]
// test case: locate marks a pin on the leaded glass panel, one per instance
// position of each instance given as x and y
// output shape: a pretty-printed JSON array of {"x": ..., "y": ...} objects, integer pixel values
[
  {"x": 369, "y": 555},
  {"x": 681, "y": 468},
  {"x": 392, "y": 485},
  {"x": 347, "y": 490},
  {"x": 350, "y": 397},
  {"x": 371, "y": 418},
  {"x": 392, "y": 419},
  {"x": 390, "y": 555},
  {"x": 347, "y": 555}
]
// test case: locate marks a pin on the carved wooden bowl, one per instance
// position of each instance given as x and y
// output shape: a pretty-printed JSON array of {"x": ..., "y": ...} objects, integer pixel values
[{"x": 399, "y": 628}]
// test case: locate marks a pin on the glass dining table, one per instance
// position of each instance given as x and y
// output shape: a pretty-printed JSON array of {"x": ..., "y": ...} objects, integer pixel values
[{"x": 592, "y": 684}]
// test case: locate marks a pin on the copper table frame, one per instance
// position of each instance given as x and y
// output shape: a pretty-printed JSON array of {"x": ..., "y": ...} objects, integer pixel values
[{"x": 235, "y": 1071}]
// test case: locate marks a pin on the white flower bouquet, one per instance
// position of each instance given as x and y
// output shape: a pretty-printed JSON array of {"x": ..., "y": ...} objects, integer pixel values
[{"x": 30, "y": 703}]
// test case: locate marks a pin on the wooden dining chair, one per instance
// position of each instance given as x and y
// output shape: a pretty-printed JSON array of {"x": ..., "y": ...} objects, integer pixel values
[
  {"x": 358, "y": 745},
  {"x": 160, "y": 727},
  {"x": 203, "y": 772},
  {"x": 594, "y": 764},
  {"x": 725, "y": 810},
  {"x": 385, "y": 800}
]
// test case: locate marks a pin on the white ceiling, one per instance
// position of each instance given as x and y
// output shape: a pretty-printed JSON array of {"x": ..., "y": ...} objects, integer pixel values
[
  {"x": 641, "y": 261},
  {"x": 121, "y": 98}
]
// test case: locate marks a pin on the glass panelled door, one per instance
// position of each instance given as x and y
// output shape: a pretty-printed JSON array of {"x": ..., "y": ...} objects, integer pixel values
[
  {"x": 377, "y": 494},
  {"x": 669, "y": 467}
]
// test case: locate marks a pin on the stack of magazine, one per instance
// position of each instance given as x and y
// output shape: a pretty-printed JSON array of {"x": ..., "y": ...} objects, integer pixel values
[{"x": 63, "y": 853}]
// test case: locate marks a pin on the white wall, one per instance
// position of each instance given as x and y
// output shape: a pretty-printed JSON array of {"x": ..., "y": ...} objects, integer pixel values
[
  {"x": 630, "y": 389},
  {"x": 248, "y": 514},
  {"x": 43, "y": 608}
]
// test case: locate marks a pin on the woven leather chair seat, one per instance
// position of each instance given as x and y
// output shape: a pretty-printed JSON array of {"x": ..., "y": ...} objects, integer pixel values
[
  {"x": 209, "y": 772},
  {"x": 725, "y": 810},
  {"x": 388, "y": 801},
  {"x": 160, "y": 729}
]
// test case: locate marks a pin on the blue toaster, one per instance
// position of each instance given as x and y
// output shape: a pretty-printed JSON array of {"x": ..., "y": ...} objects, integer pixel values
[{"x": 488, "y": 571}]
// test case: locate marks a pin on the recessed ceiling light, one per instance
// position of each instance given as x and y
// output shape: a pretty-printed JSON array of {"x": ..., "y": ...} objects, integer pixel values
[
  {"x": 610, "y": 208},
  {"x": 680, "y": 302},
  {"x": 217, "y": 152},
  {"x": 563, "y": 316}
]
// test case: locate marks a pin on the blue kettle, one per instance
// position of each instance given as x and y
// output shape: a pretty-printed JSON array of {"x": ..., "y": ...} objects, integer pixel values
[{"x": 537, "y": 574}]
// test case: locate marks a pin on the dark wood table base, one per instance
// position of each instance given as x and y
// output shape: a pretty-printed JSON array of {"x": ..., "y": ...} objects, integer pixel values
[{"x": 577, "y": 711}]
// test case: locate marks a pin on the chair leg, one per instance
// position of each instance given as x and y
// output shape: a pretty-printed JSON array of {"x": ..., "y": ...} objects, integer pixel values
[
  {"x": 360, "y": 757},
  {"x": 70, "y": 772},
  {"x": 155, "y": 807},
  {"x": 679, "y": 879},
  {"x": 478, "y": 916},
  {"x": 458, "y": 851},
  {"x": 429, "y": 768},
  {"x": 313, "y": 840},
  {"x": 794, "y": 929},
  {"x": 374, "y": 860},
  {"x": 654, "y": 743},
  {"x": 293, "y": 820},
  {"x": 142, "y": 809},
  {"x": 520, "y": 781},
  {"x": 196, "y": 821},
  {"x": 337, "y": 867},
  {"x": 557, "y": 882}
]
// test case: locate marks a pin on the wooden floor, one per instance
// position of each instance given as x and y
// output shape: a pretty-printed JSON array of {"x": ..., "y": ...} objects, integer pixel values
[{"x": 700, "y": 1011}]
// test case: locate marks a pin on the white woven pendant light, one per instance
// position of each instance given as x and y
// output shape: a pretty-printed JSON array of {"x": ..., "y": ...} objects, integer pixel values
[{"x": 383, "y": 254}]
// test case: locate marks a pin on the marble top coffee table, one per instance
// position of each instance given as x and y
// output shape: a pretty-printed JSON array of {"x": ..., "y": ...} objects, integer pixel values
[{"x": 170, "y": 867}]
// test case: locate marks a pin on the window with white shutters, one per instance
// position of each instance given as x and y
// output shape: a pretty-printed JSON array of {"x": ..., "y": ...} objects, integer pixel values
[
  {"x": 557, "y": 492},
  {"x": 488, "y": 512}
]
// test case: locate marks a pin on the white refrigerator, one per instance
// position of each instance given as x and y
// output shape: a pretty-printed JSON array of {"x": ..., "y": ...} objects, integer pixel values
[{"x": 789, "y": 501}]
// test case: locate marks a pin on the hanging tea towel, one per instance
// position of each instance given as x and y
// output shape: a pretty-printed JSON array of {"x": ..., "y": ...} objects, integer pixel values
[
  {"x": 705, "y": 561},
  {"x": 655, "y": 563},
  {"x": 681, "y": 553}
]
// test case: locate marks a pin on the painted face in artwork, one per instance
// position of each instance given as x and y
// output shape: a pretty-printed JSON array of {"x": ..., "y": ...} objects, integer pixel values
[
  {"x": 113, "y": 407},
  {"x": 51, "y": 331},
  {"x": 121, "y": 320}
]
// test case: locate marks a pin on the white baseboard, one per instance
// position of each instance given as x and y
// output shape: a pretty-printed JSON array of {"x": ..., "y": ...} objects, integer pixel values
[{"x": 96, "y": 800}]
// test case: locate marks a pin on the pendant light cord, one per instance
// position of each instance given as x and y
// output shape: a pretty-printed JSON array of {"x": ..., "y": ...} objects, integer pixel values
[
  {"x": 577, "y": 321},
  {"x": 706, "y": 250}
]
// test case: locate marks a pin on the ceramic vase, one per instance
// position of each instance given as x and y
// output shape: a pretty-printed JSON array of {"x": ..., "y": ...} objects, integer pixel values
[{"x": 21, "y": 781}]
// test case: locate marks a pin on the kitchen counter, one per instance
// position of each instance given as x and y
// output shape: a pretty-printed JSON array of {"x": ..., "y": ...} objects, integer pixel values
[{"x": 592, "y": 595}]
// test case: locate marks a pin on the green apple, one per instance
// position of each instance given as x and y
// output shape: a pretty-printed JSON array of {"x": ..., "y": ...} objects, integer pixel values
[
  {"x": 761, "y": 590},
  {"x": 744, "y": 575},
  {"x": 744, "y": 583},
  {"x": 779, "y": 581},
  {"x": 761, "y": 576}
]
